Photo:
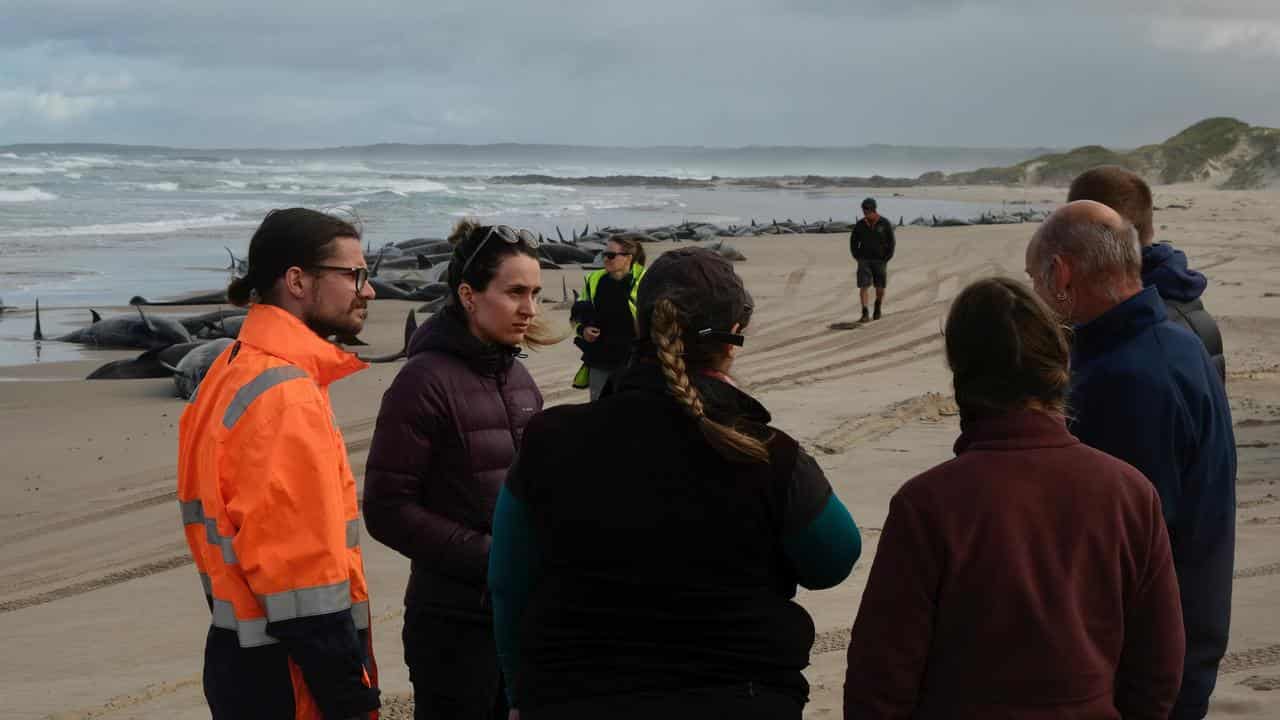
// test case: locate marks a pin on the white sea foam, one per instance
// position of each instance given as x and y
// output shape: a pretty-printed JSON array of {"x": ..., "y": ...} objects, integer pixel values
[
  {"x": 160, "y": 186},
  {"x": 9, "y": 156},
  {"x": 26, "y": 195},
  {"x": 154, "y": 227},
  {"x": 405, "y": 187},
  {"x": 234, "y": 184},
  {"x": 23, "y": 170}
]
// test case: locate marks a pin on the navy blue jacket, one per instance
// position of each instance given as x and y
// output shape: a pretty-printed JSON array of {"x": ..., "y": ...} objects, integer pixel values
[{"x": 1144, "y": 390}]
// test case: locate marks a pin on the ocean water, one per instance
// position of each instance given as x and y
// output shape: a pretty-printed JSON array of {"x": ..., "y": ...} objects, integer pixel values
[{"x": 94, "y": 225}]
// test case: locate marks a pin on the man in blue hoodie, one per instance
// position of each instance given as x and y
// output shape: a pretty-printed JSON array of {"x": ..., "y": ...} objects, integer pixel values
[
  {"x": 1163, "y": 265},
  {"x": 1143, "y": 389}
]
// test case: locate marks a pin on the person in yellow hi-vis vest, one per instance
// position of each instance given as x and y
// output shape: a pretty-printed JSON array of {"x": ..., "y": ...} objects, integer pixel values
[
  {"x": 607, "y": 328},
  {"x": 267, "y": 497}
]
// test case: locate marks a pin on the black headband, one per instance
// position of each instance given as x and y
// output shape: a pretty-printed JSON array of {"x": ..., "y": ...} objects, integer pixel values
[{"x": 720, "y": 336}]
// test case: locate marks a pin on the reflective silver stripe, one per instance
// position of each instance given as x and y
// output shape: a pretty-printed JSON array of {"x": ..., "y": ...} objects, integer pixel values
[
  {"x": 306, "y": 602},
  {"x": 222, "y": 541},
  {"x": 228, "y": 552},
  {"x": 353, "y": 533},
  {"x": 192, "y": 400},
  {"x": 251, "y": 633},
  {"x": 192, "y": 512},
  {"x": 245, "y": 396},
  {"x": 360, "y": 615}
]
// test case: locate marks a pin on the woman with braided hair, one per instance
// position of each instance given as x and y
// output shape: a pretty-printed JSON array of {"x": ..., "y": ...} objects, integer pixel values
[{"x": 663, "y": 584}]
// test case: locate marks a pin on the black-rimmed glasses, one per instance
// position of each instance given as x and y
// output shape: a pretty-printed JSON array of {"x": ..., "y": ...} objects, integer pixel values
[
  {"x": 609, "y": 254},
  {"x": 508, "y": 234},
  {"x": 360, "y": 274}
]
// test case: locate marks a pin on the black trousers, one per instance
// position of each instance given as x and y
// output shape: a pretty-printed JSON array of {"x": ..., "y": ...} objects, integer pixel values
[
  {"x": 453, "y": 665},
  {"x": 740, "y": 702}
]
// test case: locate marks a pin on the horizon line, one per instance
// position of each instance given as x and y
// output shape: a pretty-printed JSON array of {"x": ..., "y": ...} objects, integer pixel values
[{"x": 502, "y": 144}]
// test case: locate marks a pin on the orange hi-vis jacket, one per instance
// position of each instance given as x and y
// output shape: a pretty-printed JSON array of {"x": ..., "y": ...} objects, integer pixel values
[{"x": 268, "y": 504}]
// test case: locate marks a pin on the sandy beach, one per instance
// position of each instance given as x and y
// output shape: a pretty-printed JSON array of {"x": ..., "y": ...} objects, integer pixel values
[{"x": 102, "y": 612}]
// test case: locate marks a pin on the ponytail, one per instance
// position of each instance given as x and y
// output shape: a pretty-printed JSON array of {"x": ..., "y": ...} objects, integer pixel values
[
  {"x": 667, "y": 335},
  {"x": 240, "y": 291}
]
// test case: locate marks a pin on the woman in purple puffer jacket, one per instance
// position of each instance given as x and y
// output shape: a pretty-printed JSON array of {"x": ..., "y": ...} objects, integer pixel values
[{"x": 447, "y": 431}]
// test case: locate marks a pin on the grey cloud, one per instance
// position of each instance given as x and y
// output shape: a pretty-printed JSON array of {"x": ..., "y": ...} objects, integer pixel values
[{"x": 979, "y": 72}]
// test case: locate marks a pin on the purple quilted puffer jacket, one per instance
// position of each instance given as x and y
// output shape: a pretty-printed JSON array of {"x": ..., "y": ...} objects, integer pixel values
[{"x": 447, "y": 431}]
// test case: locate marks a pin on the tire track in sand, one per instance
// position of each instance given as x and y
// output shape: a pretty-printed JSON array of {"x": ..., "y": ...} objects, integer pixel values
[
  {"x": 849, "y": 365},
  {"x": 872, "y": 427},
  {"x": 138, "y": 571},
  {"x": 824, "y": 310},
  {"x": 168, "y": 477},
  {"x": 1260, "y": 571},
  {"x": 163, "y": 689},
  {"x": 115, "y": 578},
  {"x": 838, "y": 639}
]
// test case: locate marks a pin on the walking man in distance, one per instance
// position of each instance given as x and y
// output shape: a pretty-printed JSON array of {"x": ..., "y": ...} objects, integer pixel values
[{"x": 872, "y": 245}]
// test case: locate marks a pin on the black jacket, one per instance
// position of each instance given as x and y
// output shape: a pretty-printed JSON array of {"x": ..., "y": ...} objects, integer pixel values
[
  {"x": 662, "y": 564},
  {"x": 617, "y": 327},
  {"x": 868, "y": 242},
  {"x": 447, "y": 431}
]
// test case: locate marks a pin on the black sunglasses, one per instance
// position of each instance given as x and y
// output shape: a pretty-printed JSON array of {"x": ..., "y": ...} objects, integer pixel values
[
  {"x": 360, "y": 274},
  {"x": 609, "y": 254},
  {"x": 510, "y": 235}
]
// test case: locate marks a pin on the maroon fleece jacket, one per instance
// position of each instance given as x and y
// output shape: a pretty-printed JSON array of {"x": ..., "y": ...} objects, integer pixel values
[{"x": 1029, "y": 577}]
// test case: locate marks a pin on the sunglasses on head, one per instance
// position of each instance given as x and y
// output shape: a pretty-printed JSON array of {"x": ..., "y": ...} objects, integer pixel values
[
  {"x": 359, "y": 274},
  {"x": 609, "y": 254},
  {"x": 508, "y": 234}
]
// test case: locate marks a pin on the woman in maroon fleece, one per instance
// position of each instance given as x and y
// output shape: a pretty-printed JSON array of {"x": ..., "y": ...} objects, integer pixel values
[
  {"x": 447, "y": 431},
  {"x": 1030, "y": 576}
]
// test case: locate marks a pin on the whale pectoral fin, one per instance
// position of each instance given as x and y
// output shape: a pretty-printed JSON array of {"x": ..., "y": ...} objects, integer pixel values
[
  {"x": 410, "y": 325},
  {"x": 37, "y": 335},
  {"x": 146, "y": 320},
  {"x": 95, "y": 316}
]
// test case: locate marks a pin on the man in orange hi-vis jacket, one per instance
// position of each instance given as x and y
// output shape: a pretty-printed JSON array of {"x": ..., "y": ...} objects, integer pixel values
[{"x": 267, "y": 496}]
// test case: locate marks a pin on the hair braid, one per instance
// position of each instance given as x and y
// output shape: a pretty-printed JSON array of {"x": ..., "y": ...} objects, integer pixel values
[{"x": 666, "y": 332}]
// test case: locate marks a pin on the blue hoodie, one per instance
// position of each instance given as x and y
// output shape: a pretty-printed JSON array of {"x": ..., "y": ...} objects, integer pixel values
[
  {"x": 1165, "y": 268},
  {"x": 1144, "y": 390}
]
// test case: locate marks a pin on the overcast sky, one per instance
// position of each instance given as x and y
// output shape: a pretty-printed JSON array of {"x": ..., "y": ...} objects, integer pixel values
[{"x": 238, "y": 73}]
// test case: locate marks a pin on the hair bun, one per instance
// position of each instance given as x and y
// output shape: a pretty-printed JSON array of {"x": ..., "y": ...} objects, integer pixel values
[{"x": 462, "y": 230}]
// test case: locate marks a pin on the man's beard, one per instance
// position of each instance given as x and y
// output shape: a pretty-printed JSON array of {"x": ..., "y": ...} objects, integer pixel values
[{"x": 343, "y": 325}]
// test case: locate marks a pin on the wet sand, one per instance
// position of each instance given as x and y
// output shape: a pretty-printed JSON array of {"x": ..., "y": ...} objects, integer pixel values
[{"x": 102, "y": 612}]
